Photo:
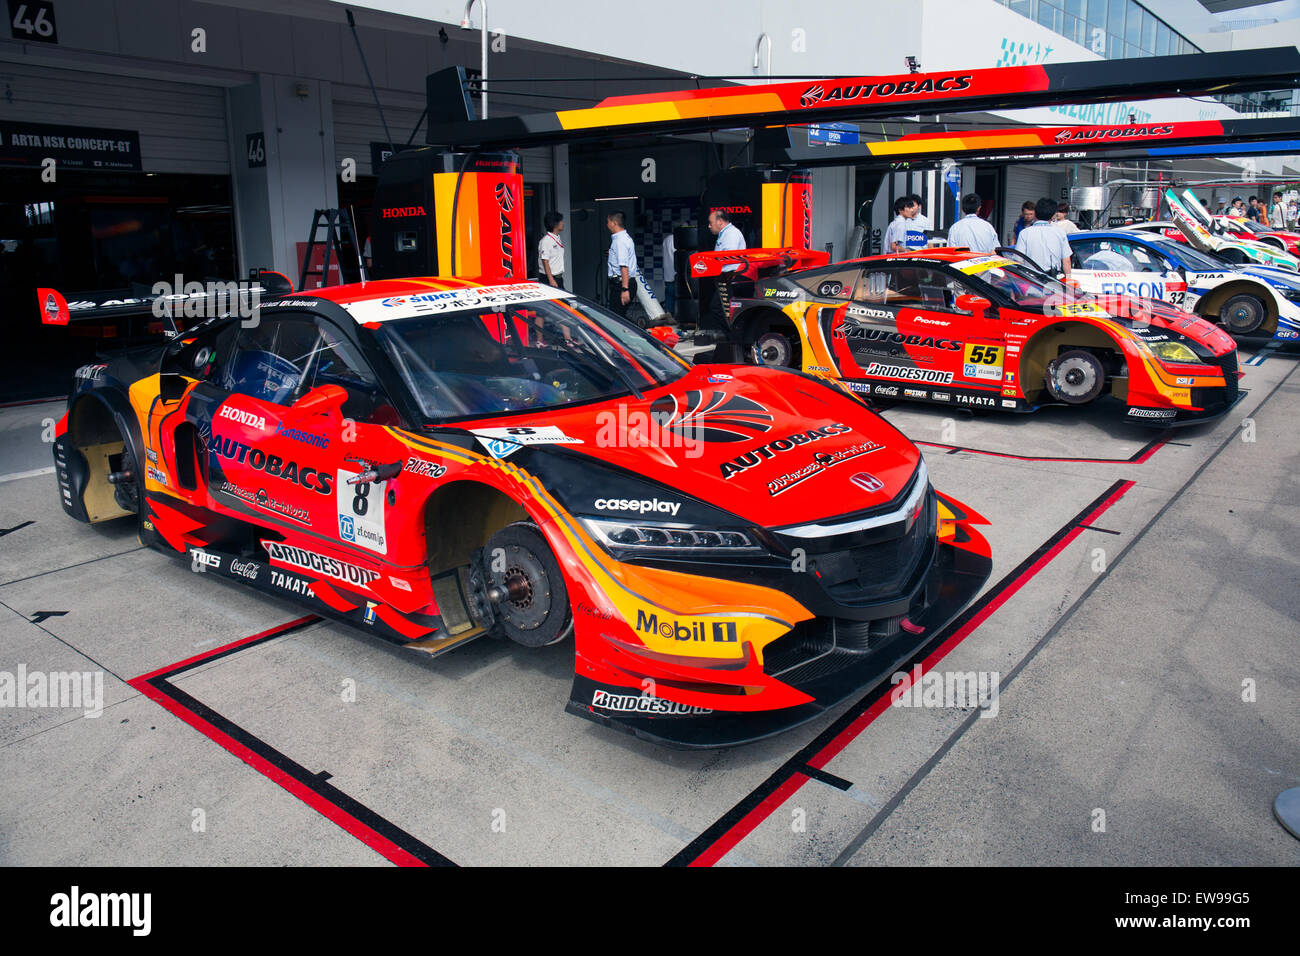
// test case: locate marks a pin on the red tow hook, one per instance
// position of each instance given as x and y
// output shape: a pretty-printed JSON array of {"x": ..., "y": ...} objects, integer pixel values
[{"x": 911, "y": 628}]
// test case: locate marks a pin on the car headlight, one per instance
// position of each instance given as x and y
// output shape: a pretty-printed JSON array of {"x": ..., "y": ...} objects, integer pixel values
[
  {"x": 1172, "y": 352},
  {"x": 1291, "y": 295},
  {"x": 652, "y": 538}
]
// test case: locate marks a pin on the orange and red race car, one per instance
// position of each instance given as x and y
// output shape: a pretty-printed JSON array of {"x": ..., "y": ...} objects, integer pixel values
[
  {"x": 959, "y": 328},
  {"x": 732, "y": 549}
]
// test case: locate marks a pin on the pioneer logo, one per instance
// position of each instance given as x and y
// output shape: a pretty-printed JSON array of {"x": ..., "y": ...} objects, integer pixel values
[
  {"x": 850, "y": 92},
  {"x": 402, "y": 212},
  {"x": 1109, "y": 133}
]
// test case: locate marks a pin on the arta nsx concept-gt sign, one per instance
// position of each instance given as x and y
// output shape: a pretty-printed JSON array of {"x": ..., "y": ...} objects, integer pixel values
[{"x": 731, "y": 549}]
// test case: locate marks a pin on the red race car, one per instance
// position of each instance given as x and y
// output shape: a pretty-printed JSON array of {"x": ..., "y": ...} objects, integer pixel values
[
  {"x": 983, "y": 331},
  {"x": 731, "y": 549}
]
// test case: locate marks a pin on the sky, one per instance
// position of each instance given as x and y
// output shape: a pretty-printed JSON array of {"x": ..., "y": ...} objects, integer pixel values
[{"x": 1282, "y": 10}]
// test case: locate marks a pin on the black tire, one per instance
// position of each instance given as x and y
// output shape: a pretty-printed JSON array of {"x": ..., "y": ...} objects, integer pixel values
[
  {"x": 1075, "y": 377},
  {"x": 776, "y": 346},
  {"x": 529, "y": 597},
  {"x": 1243, "y": 314}
]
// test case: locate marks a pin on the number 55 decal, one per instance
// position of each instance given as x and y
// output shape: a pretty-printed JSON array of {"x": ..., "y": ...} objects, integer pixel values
[{"x": 982, "y": 361}]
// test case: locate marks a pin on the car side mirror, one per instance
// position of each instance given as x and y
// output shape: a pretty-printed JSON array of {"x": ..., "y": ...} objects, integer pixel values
[
  {"x": 977, "y": 305},
  {"x": 321, "y": 400}
]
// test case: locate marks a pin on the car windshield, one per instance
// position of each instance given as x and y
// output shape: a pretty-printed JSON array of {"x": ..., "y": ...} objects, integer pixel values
[
  {"x": 500, "y": 357},
  {"x": 1022, "y": 285},
  {"x": 1249, "y": 226},
  {"x": 1198, "y": 260}
]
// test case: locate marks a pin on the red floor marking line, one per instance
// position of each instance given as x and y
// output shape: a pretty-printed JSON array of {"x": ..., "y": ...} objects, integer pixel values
[
  {"x": 1002, "y": 454},
  {"x": 748, "y": 823},
  {"x": 345, "y": 821},
  {"x": 197, "y": 658}
]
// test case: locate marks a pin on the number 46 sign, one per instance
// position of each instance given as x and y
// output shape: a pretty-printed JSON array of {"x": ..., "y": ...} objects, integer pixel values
[{"x": 32, "y": 20}]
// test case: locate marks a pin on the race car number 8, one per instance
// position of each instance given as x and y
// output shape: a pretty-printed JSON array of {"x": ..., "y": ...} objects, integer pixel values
[{"x": 359, "y": 502}]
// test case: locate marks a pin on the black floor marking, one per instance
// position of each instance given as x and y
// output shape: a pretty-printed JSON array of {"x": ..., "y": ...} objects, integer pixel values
[
  {"x": 798, "y": 763},
  {"x": 839, "y": 783},
  {"x": 40, "y": 616},
  {"x": 17, "y": 527},
  {"x": 1089, "y": 527},
  {"x": 316, "y": 782}
]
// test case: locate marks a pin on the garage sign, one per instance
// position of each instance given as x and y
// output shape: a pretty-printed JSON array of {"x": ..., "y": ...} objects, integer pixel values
[{"x": 72, "y": 147}]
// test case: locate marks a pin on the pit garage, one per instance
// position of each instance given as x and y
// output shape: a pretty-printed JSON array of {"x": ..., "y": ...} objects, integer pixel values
[{"x": 1120, "y": 691}]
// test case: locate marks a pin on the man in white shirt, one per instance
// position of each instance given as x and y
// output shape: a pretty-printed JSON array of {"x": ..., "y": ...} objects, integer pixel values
[
  {"x": 550, "y": 251},
  {"x": 1062, "y": 219},
  {"x": 670, "y": 269},
  {"x": 971, "y": 231},
  {"x": 904, "y": 233},
  {"x": 1043, "y": 243},
  {"x": 1277, "y": 215},
  {"x": 621, "y": 265},
  {"x": 729, "y": 239}
]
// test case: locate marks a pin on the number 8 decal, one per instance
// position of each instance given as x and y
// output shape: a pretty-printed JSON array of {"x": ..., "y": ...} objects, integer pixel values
[{"x": 359, "y": 502}]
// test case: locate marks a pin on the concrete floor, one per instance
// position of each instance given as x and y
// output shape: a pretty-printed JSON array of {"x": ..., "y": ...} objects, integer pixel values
[{"x": 1121, "y": 691}]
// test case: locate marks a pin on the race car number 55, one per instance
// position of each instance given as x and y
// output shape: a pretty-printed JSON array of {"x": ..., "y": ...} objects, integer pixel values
[{"x": 983, "y": 361}]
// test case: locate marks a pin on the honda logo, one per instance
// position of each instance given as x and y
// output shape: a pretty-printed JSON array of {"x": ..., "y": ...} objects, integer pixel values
[{"x": 867, "y": 482}]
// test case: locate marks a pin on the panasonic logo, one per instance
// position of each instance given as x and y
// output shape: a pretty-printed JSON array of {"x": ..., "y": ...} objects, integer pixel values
[{"x": 640, "y": 506}]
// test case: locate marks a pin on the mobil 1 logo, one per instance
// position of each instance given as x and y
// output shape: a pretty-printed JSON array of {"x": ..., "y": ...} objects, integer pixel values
[{"x": 361, "y": 513}]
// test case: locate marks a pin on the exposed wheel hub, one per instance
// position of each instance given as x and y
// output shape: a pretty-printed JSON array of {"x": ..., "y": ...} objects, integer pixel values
[{"x": 522, "y": 590}]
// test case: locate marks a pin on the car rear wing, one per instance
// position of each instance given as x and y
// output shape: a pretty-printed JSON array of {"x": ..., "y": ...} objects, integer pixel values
[
  {"x": 753, "y": 261},
  {"x": 161, "y": 309}
]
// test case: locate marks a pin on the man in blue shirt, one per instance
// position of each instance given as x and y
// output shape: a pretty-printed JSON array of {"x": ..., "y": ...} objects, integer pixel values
[
  {"x": 976, "y": 234},
  {"x": 622, "y": 263},
  {"x": 1043, "y": 243}
]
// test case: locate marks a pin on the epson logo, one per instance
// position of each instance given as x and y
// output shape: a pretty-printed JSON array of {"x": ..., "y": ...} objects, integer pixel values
[{"x": 244, "y": 418}]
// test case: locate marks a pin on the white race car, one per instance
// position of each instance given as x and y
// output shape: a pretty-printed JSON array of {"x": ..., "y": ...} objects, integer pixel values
[{"x": 1245, "y": 299}]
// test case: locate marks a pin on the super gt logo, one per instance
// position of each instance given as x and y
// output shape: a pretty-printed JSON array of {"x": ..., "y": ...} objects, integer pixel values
[
  {"x": 711, "y": 416},
  {"x": 1119, "y": 132},
  {"x": 820, "y": 96}
]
